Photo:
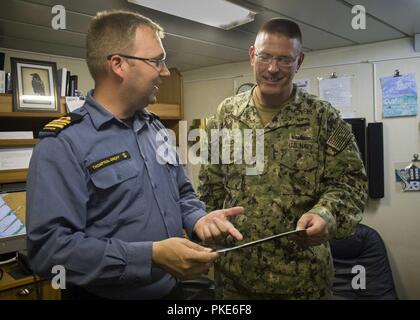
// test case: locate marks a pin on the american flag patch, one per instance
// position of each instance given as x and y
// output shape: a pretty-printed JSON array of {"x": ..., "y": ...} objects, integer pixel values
[{"x": 340, "y": 138}]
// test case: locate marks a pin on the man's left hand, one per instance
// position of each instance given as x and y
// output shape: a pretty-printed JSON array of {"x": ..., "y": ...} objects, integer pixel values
[
  {"x": 215, "y": 225},
  {"x": 316, "y": 230}
]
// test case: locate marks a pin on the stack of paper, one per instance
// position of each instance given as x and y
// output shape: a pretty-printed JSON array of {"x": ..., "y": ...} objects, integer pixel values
[
  {"x": 16, "y": 135},
  {"x": 15, "y": 158}
]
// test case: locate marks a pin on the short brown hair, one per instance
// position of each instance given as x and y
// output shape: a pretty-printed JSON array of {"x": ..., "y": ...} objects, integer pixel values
[
  {"x": 113, "y": 32},
  {"x": 284, "y": 27}
]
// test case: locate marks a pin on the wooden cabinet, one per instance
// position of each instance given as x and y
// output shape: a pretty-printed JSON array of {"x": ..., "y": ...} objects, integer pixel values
[
  {"x": 170, "y": 96},
  {"x": 170, "y": 101},
  {"x": 25, "y": 288},
  {"x": 169, "y": 107}
]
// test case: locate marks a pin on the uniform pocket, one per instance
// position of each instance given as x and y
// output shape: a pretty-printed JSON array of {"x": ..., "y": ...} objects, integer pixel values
[{"x": 113, "y": 175}]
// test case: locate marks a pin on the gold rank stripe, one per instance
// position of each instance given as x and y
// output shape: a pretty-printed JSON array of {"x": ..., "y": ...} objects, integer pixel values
[
  {"x": 340, "y": 137},
  {"x": 55, "y": 125},
  {"x": 61, "y": 121},
  {"x": 97, "y": 165},
  {"x": 58, "y": 122}
]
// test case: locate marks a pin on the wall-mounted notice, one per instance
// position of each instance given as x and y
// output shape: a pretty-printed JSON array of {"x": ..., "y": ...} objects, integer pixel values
[
  {"x": 336, "y": 91},
  {"x": 399, "y": 95}
]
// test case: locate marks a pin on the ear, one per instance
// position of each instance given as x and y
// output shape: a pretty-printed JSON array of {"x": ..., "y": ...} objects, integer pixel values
[
  {"x": 117, "y": 66},
  {"x": 300, "y": 61},
  {"x": 251, "y": 55}
]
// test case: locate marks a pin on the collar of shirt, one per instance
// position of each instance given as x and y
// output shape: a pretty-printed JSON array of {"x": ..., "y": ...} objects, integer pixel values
[
  {"x": 247, "y": 113},
  {"x": 100, "y": 115},
  {"x": 246, "y": 99}
]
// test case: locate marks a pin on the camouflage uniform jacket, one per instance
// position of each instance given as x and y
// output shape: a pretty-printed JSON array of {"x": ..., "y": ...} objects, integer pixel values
[{"x": 311, "y": 163}]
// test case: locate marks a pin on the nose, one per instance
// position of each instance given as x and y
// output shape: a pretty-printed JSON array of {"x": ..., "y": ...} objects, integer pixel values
[
  {"x": 273, "y": 66},
  {"x": 164, "y": 72}
]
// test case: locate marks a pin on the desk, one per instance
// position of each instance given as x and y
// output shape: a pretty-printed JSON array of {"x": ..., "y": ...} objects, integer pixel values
[{"x": 26, "y": 288}]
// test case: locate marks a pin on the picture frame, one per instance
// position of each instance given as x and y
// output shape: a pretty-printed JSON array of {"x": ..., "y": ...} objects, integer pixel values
[{"x": 34, "y": 86}]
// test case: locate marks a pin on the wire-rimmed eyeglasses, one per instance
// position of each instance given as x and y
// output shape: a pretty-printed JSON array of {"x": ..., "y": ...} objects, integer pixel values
[
  {"x": 158, "y": 64},
  {"x": 267, "y": 58}
]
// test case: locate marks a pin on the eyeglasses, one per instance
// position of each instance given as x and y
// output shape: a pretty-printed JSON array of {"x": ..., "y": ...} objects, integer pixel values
[
  {"x": 267, "y": 58},
  {"x": 158, "y": 64}
]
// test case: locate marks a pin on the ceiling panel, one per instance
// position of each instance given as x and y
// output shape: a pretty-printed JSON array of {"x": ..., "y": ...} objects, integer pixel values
[
  {"x": 40, "y": 33},
  {"x": 224, "y": 52},
  {"x": 193, "y": 59},
  {"x": 330, "y": 16},
  {"x": 26, "y": 25},
  {"x": 313, "y": 39},
  {"x": 41, "y": 46}
]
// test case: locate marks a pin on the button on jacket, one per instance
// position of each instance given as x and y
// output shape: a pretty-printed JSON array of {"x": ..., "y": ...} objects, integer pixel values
[{"x": 97, "y": 198}]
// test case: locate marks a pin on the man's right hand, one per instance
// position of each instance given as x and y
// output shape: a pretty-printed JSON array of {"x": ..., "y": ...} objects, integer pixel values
[{"x": 182, "y": 258}]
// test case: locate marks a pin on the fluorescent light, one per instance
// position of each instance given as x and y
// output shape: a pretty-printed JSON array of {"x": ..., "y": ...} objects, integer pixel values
[{"x": 216, "y": 13}]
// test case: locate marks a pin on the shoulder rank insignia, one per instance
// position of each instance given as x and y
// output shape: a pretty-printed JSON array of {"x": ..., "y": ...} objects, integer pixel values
[
  {"x": 55, "y": 126},
  {"x": 339, "y": 139}
]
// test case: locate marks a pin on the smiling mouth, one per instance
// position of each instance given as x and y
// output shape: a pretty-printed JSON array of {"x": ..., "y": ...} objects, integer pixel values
[{"x": 272, "y": 79}]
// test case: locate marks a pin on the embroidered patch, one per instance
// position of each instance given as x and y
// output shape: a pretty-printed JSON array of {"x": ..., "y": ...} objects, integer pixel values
[
  {"x": 340, "y": 138},
  {"x": 108, "y": 161},
  {"x": 300, "y": 144}
]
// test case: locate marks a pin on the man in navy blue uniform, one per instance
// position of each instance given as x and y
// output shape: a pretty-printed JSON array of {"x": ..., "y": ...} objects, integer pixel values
[{"x": 99, "y": 200}]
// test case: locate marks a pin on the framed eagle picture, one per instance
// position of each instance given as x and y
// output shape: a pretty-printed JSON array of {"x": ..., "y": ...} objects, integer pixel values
[{"x": 34, "y": 86}]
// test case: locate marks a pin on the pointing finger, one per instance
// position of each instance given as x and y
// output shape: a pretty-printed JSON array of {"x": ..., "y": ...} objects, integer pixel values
[{"x": 234, "y": 211}]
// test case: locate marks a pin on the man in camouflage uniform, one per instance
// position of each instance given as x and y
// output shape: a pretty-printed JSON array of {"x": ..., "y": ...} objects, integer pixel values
[{"x": 313, "y": 178}]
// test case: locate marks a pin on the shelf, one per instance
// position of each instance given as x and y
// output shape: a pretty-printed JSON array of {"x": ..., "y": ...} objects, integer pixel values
[
  {"x": 169, "y": 111},
  {"x": 29, "y": 287},
  {"x": 6, "y": 109},
  {"x": 9, "y": 282},
  {"x": 16, "y": 175},
  {"x": 11, "y": 176},
  {"x": 166, "y": 111},
  {"x": 10, "y": 143}
]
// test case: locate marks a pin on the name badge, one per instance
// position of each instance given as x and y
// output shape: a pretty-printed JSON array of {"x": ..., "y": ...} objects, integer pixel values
[{"x": 97, "y": 165}]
